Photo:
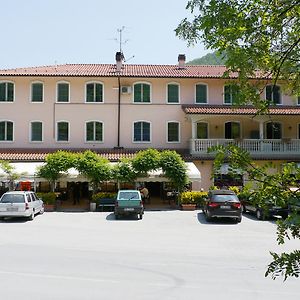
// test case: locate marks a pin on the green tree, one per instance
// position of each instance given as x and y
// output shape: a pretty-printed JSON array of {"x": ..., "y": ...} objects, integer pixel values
[
  {"x": 261, "y": 39},
  {"x": 56, "y": 164},
  {"x": 274, "y": 188},
  {"x": 9, "y": 170},
  {"x": 93, "y": 166},
  {"x": 123, "y": 171},
  {"x": 146, "y": 160},
  {"x": 256, "y": 35}
]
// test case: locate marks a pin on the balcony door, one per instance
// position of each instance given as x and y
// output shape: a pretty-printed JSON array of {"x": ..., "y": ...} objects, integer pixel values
[
  {"x": 273, "y": 130},
  {"x": 232, "y": 130}
]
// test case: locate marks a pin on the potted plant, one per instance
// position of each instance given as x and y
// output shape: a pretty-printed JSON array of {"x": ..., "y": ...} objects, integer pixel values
[
  {"x": 187, "y": 201},
  {"x": 49, "y": 200}
]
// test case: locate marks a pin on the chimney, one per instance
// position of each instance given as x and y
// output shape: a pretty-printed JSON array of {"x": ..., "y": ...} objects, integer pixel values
[
  {"x": 181, "y": 61},
  {"x": 119, "y": 59}
]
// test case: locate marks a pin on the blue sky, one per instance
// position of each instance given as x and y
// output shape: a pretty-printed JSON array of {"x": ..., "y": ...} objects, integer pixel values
[{"x": 45, "y": 32}]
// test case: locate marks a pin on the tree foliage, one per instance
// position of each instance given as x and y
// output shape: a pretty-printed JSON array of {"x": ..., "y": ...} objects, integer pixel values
[
  {"x": 123, "y": 171},
  {"x": 10, "y": 172},
  {"x": 275, "y": 188},
  {"x": 256, "y": 35}
]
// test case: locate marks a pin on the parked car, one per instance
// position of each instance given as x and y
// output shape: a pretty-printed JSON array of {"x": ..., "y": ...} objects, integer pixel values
[
  {"x": 129, "y": 202},
  {"x": 20, "y": 204},
  {"x": 262, "y": 212},
  {"x": 221, "y": 204}
]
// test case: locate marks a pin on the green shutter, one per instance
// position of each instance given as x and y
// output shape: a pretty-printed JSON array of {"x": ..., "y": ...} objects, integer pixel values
[
  {"x": 36, "y": 132},
  {"x": 201, "y": 93},
  {"x": 173, "y": 132},
  {"x": 137, "y": 135},
  {"x": 2, "y": 131},
  {"x": 63, "y": 92},
  {"x": 90, "y": 131},
  {"x": 98, "y": 132},
  {"x": 138, "y": 92},
  {"x": 269, "y": 92},
  {"x": 63, "y": 131},
  {"x": 99, "y": 92},
  {"x": 173, "y": 93},
  {"x": 227, "y": 94},
  {"x": 90, "y": 92},
  {"x": 2, "y": 91},
  {"x": 146, "y": 93},
  {"x": 202, "y": 131},
  {"x": 9, "y": 131},
  {"x": 37, "y": 92},
  {"x": 10, "y": 92}
]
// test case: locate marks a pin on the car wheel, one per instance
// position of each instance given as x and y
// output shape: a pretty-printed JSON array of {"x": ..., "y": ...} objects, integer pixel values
[
  {"x": 207, "y": 217},
  {"x": 141, "y": 216},
  {"x": 31, "y": 217},
  {"x": 239, "y": 220},
  {"x": 260, "y": 215},
  {"x": 284, "y": 216},
  {"x": 117, "y": 216},
  {"x": 42, "y": 210}
]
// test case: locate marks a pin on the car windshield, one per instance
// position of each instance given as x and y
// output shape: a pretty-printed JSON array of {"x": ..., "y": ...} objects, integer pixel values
[
  {"x": 224, "y": 197},
  {"x": 12, "y": 198},
  {"x": 129, "y": 195}
]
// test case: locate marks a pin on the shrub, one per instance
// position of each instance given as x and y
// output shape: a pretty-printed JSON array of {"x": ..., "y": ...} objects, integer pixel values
[
  {"x": 194, "y": 197},
  {"x": 48, "y": 198},
  {"x": 102, "y": 195}
]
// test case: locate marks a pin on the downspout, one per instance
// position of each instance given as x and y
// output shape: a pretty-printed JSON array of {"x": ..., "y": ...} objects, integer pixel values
[{"x": 119, "y": 110}]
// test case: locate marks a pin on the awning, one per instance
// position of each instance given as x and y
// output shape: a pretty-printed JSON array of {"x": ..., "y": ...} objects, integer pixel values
[
  {"x": 157, "y": 175},
  {"x": 30, "y": 169}
]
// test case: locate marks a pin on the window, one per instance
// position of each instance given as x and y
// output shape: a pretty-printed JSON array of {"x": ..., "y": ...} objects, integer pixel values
[
  {"x": 94, "y": 131},
  {"x": 141, "y": 132},
  {"x": 273, "y": 94},
  {"x": 202, "y": 130},
  {"x": 201, "y": 93},
  {"x": 6, "y": 92},
  {"x": 173, "y": 93},
  {"x": 173, "y": 132},
  {"x": 62, "y": 131},
  {"x": 230, "y": 94},
  {"x": 273, "y": 130},
  {"x": 36, "y": 131},
  {"x": 6, "y": 131},
  {"x": 37, "y": 91},
  {"x": 232, "y": 130},
  {"x": 63, "y": 92},
  {"x": 141, "y": 92},
  {"x": 94, "y": 92}
]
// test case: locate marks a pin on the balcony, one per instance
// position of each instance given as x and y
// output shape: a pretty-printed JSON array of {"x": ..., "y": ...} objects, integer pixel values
[{"x": 258, "y": 148}]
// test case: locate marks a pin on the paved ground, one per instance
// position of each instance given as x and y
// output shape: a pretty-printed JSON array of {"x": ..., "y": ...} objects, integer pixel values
[{"x": 167, "y": 255}]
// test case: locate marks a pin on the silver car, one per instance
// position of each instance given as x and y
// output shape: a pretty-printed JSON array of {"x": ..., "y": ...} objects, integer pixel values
[{"x": 20, "y": 204}]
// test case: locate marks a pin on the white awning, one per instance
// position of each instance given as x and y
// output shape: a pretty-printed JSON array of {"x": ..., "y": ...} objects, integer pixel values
[
  {"x": 157, "y": 175},
  {"x": 30, "y": 169}
]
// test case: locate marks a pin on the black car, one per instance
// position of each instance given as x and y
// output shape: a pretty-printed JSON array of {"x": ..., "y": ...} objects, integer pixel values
[
  {"x": 267, "y": 210},
  {"x": 222, "y": 204}
]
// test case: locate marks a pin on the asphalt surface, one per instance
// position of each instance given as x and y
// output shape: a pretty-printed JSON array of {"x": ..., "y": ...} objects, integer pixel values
[{"x": 167, "y": 255}]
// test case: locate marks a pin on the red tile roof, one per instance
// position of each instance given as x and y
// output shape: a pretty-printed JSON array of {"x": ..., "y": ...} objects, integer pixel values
[
  {"x": 109, "y": 70},
  {"x": 229, "y": 110},
  {"x": 40, "y": 154}
]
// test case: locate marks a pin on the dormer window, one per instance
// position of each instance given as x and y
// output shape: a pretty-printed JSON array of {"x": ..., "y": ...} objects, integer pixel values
[{"x": 273, "y": 94}]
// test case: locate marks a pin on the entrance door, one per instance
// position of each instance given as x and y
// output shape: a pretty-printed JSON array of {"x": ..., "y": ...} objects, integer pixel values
[{"x": 273, "y": 130}]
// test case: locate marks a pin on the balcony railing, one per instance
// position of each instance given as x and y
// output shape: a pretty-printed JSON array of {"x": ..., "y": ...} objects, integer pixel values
[{"x": 263, "y": 147}]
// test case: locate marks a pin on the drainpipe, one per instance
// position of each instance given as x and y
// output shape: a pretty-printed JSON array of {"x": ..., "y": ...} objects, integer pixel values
[{"x": 119, "y": 58}]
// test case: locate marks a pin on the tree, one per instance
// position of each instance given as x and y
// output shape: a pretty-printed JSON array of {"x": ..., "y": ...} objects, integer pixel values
[
  {"x": 9, "y": 170},
  {"x": 124, "y": 172},
  {"x": 57, "y": 163},
  {"x": 93, "y": 166},
  {"x": 256, "y": 35},
  {"x": 261, "y": 39}
]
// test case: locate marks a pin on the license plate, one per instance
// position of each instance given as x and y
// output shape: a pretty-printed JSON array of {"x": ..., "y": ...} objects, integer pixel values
[
  {"x": 129, "y": 209},
  {"x": 12, "y": 209},
  {"x": 224, "y": 206}
]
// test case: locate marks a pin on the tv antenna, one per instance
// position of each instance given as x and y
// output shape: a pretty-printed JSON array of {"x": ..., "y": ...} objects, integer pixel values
[{"x": 121, "y": 42}]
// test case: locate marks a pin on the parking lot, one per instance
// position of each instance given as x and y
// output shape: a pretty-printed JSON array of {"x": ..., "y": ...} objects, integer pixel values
[{"x": 167, "y": 255}]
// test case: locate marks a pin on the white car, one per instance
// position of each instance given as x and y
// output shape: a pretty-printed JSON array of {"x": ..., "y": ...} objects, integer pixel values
[{"x": 20, "y": 204}]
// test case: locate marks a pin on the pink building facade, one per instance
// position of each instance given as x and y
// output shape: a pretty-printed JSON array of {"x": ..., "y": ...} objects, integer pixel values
[{"x": 116, "y": 109}]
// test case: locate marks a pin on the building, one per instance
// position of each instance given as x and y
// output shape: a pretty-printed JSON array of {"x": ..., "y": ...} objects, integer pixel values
[{"x": 117, "y": 109}]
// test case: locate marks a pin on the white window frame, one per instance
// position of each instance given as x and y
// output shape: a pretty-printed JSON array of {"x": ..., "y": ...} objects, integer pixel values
[
  {"x": 43, "y": 96},
  {"x": 56, "y": 131},
  {"x": 141, "y": 142},
  {"x": 179, "y": 92},
  {"x": 142, "y": 82},
  {"x": 179, "y": 131},
  {"x": 13, "y": 137},
  {"x": 195, "y": 93},
  {"x": 9, "y": 81},
  {"x": 30, "y": 131},
  {"x": 85, "y": 133},
  {"x": 85, "y": 92},
  {"x": 63, "y": 82}
]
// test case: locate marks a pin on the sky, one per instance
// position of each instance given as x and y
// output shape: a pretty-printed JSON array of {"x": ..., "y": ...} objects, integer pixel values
[{"x": 48, "y": 32}]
